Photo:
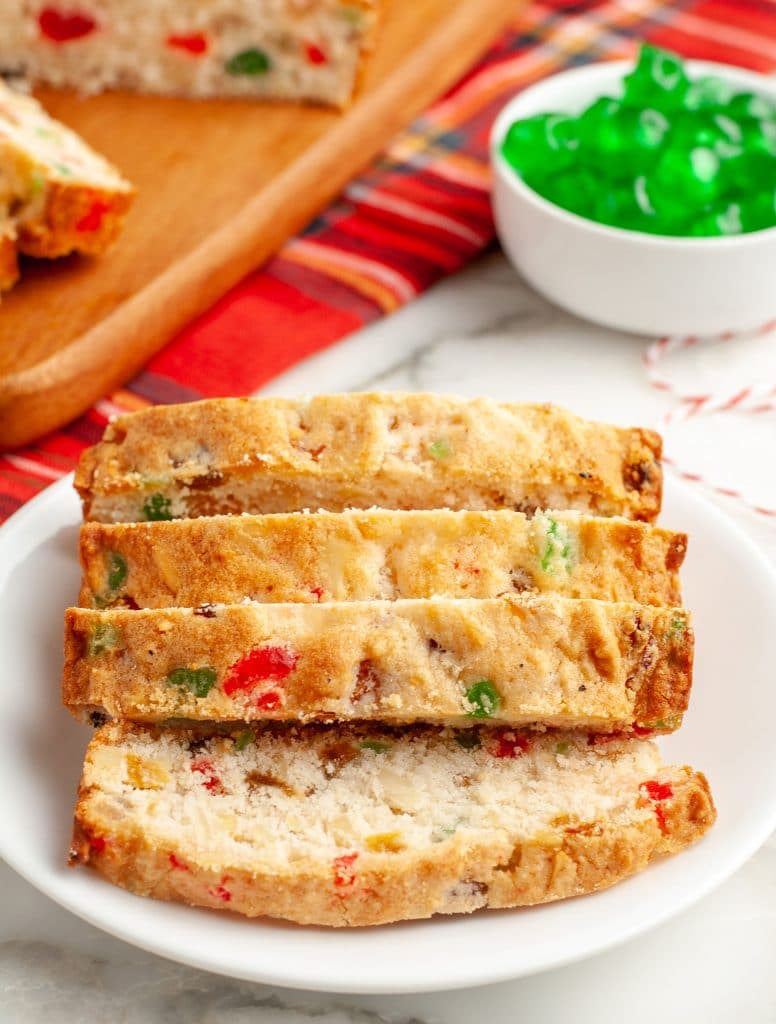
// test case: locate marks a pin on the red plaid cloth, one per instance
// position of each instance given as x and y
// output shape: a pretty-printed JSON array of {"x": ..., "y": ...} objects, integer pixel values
[{"x": 420, "y": 213}]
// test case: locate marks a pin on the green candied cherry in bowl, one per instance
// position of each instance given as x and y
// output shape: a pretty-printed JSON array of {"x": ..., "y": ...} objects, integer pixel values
[{"x": 669, "y": 154}]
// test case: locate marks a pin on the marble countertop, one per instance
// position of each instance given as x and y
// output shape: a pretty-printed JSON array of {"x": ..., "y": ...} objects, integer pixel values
[{"x": 483, "y": 332}]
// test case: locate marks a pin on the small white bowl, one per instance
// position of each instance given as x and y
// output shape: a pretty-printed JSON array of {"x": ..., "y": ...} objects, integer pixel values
[{"x": 650, "y": 284}]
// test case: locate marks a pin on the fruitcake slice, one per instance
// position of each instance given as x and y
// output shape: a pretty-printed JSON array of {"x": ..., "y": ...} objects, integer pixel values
[
  {"x": 361, "y": 826},
  {"x": 344, "y": 451},
  {"x": 517, "y": 660},
  {"x": 61, "y": 195},
  {"x": 284, "y": 49},
  {"x": 377, "y": 554}
]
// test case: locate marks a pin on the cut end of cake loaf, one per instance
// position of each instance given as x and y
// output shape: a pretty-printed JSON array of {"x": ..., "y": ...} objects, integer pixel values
[
  {"x": 377, "y": 554},
  {"x": 394, "y": 450},
  {"x": 61, "y": 196},
  {"x": 519, "y": 660},
  {"x": 309, "y": 50},
  {"x": 363, "y": 826}
]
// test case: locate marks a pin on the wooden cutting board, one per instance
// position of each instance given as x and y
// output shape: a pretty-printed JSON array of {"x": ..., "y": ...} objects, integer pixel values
[{"x": 221, "y": 185}]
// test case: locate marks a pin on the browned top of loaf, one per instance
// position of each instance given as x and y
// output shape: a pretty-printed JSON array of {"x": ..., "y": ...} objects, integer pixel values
[{"x": 481, "y": 446}]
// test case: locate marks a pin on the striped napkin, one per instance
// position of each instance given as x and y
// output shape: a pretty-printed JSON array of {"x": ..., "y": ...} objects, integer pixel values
[{"x": 421, "y": 212}]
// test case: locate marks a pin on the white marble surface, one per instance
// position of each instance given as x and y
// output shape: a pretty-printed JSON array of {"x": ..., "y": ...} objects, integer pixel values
[{"x": 481, "y": 333}]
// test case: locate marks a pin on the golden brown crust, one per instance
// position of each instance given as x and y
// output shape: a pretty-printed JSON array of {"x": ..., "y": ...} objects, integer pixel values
[
  {"x": 9, "y": 263},
  {"x": 360, "y": 450},
  {"x": 75, "y": 218},
  {"x": 373, "y": 555},
  {"x": 363, "y": 888},
  {"x": 563, "y": 662}
]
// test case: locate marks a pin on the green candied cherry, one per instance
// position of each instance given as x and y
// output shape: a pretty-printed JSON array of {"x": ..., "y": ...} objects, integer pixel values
[
  {"x": 678, "y": 625},
  {"x": 352, "y": 15},
  {"x": 483, "y": 699},
  {"x": 556, "y": 550},
  {"x": 468, "y": 739},
  {"x": 563, "y": 747},
  {"x": 759, "y": 211},
  {"x": 658, "y": 80},
  {"x": 711, "y": 129},
  {"x": 754, "y": 169},
  {"x": 573, "y": 190},
  {"x": 440, "y": 449},
  {"x": 117, "y": 571},
  {"x": 251, "y": 62},
  {"x": 104, "y": 637},
  {"x": 691, "y": 177},
  {"x": 156, "y": 508},
  {"x": 376, "y": 746},
  {"x": 719, "y": 221},
  {"x": 663, "y": 213},
  {"x": 200, "y": 681},
  {"x": 242, "y": 739},
  {"x": 751, "y": 106},
  {"x": 592, "y": 125},
  {"x": 623, "y": 141},
  {"x": 707, "y": 93},
  {"x": 618, "y": 207},
  {"x": 534, "y": 144}
]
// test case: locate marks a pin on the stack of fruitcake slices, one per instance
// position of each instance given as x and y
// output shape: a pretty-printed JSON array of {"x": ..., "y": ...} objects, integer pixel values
[{"x": 429, "y": 696}]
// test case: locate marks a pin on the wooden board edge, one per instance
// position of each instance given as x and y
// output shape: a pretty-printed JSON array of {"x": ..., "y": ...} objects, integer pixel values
[{"x": 55, "y": 391}]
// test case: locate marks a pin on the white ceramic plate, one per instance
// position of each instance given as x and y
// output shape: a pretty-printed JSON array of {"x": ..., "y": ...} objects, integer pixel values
[{"x": 728, "y": 733}]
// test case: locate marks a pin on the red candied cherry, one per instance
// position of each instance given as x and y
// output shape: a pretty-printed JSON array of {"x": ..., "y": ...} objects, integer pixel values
[
  {"x": 317, "y": 592},
  {"x": 92, "y": 219},
  {"x": 258, "y": 665},
  {"x": 344, "y": 871},
  {"x": 642, "y": 730},
  {"x": 220, "y": 892},
  {"x": 195, "y": 43},
  {"x": 314, "y": 54},
  {"x": 269, "y": 701},
  {"x": 210, "y": 780},
  {"x": 63, "y": 26},
  {"x": 97, "y": 844},
  {"x": 177, "y": 864},
  {"x": 657, "y": 790},
  {"x": 510, "y": 744}
]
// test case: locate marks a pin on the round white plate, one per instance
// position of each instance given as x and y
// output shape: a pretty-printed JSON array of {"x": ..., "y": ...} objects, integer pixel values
[{"x": 727, "y": 733}]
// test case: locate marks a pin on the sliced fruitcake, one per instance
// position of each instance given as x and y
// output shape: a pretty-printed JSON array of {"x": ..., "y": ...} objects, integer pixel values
[
  {"x": 344, "y": 451},
  {"x": 377, "y": 554},
  {"x": 517, "y": 660},
  {"x": 362, "y": 826},
  {"x": 61, "y": 196}
]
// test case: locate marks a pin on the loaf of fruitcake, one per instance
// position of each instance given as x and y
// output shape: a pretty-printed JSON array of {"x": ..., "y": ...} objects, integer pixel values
[
  {"x": 376, "y": 554},
  {"x": 517, "y": 660},
  {"x": 360, "y": 826},
  {"x": 394, "y": 450},
  {"x": 287, "y": 49},
  {"x": 60, "y": 195}
]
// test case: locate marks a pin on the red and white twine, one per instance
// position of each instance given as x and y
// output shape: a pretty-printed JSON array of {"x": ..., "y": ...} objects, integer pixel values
[{"x": 753, "y": 398}]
